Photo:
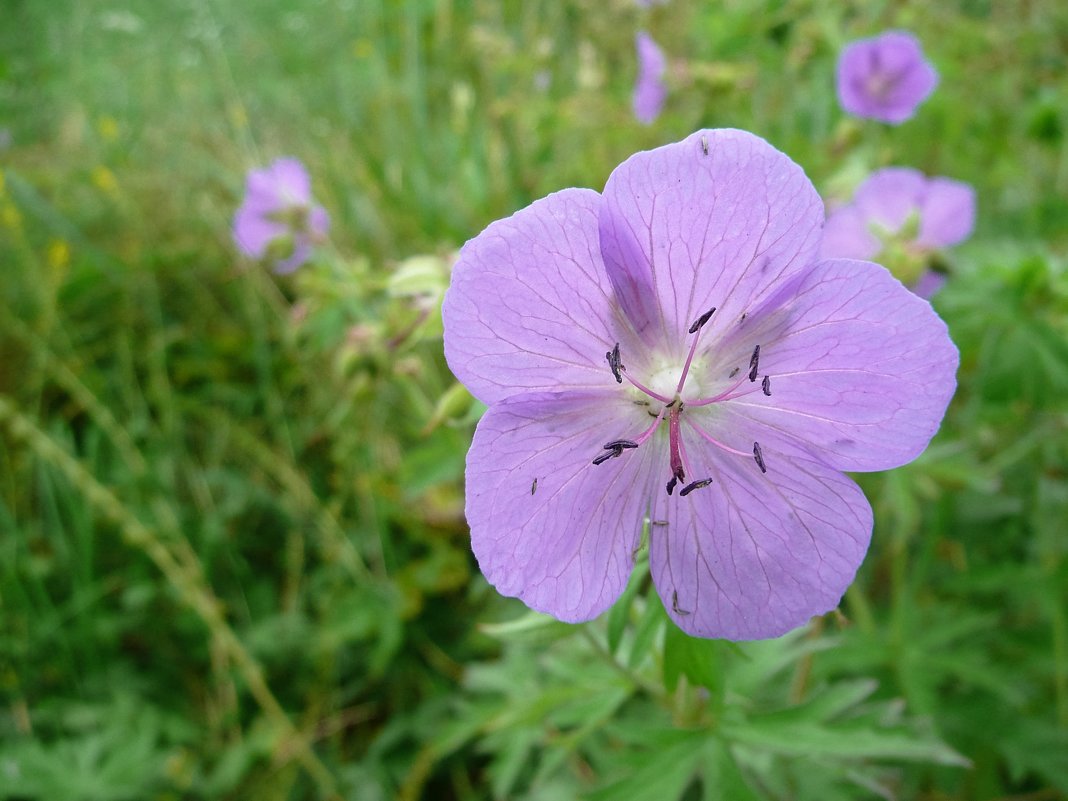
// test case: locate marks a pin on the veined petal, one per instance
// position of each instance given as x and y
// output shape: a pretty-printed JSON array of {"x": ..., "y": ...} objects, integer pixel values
[
  {"x": 717, "y": 219},
  {"x": 755, "y": 555},
  {"x": 547, "y": 525},
  {"x": 529, "y": 307},
  {"x": 861, "y": 374}
]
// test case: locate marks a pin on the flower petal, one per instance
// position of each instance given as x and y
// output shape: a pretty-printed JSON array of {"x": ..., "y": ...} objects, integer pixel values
[
  {"x": 286, "y": 179},
  {"x": 301, "y": 253},
  {"x": 846, "y": 236},
  {"x": 947, "y": 214},
  {"x": 718, "y": 219},
  {"x": 890, "y": 195},
  {"x": 861, "y": 373},
  {"x": 529, "y": 307},
  {"x": 885, "y": 77},
  {"x": 755, "y": 555},
  {"x": 929, "y": 284},
  {"x": 254, "y": 230},
  {"x": 547, "y": 525},
  {"x": 318, "y": 222},
  {"x": 649, "y": 89}
]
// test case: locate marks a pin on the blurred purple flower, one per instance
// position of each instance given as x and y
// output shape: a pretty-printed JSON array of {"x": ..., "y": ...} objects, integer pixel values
[
  {"x": 277, "y": 219},
  {"x": 898, "y": 217},
  {"x": 673, "y": 350},
  {"x": 649, "y": 88},
  {"x": 885, "y": 78}
]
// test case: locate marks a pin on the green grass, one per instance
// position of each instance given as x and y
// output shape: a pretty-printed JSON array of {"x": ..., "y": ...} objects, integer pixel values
[{"x": 233, "y": 561}]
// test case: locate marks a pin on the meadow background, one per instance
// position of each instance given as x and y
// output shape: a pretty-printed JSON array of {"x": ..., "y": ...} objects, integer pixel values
[{"x": 233, "y": 559}]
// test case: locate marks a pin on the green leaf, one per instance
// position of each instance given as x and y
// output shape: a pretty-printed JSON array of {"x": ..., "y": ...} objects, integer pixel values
[
  {"x": 844, "y": 742},
  {"x": 532, "y": 627},
  {"x": 722, "y": 778},
  {"x": 662, "y": 774},
  {"x": 698, "y": 660},
  {"x": 653, "y": 617},
  {"x": 619, "y": 614}
]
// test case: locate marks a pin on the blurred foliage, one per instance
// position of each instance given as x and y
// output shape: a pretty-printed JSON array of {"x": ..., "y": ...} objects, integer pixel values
[{"x": 233, "y": 561}]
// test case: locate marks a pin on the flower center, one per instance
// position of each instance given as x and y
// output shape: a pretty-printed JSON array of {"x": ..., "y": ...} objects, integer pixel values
[{"x": 667, "y": 387}]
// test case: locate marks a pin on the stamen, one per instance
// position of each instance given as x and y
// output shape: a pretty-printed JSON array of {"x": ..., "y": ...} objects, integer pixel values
[
  {"x": 704, "y": 482},
  {"x": 604, "y": 457},
  {"x": 734, "y": 372},
  {"x": 645, "y": 389},
  {"x": 620, "y": 444},
  {"x": 700, "y": 321},
  {"x": 754, "y": 362},
  {"x": 766, "y": 385},
  {"x": 704, "y": 145},
  {"x": 533, "y": 486},
  {"x": 671, "y": 485},
  {"x": 759, "y": 456},
  {"x": 659, "y": 523},
  {"x": 675, "y": 604},
  {"x": 615, "y": 363},
  {"x": 715, "y": 441},
  {"x": 694, "y": 329},
  {"x": 649, "y": 431},
  {"x": 727, "y": 394}
]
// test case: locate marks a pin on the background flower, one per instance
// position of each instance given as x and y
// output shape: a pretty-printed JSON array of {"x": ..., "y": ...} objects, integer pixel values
[
  {"x": 277, "y": 218},
  {"x": 649, "y": 89},
  {"x": 803, "y": 370},
  {"x": 898, "y": 217},
  {"x": 885, "y": 78}
]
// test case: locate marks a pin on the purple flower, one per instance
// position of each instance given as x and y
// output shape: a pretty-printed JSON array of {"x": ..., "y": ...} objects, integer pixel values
[
  {"x": 277, "y": 219},
  {"x": 673, "y": 350},
  {"x": 898, "y": 217},
  {"x": 885, "y": 78},
  {"x": 649, "y": 89}
]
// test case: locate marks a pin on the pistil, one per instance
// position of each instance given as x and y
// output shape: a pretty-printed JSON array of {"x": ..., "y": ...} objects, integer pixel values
[{"x": 678, "y": 467}]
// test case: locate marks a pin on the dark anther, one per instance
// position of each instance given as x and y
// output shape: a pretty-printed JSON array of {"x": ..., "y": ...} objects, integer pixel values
[
  {"x": 704, "y": 482},
  {"x": 615, "y": 362},
  {"x": 766, "y": 385},
  {"x": 754, "y": 362},
  {"x": 759, "y": 457},
  {"x": 672, "y": 484},
  {"x": 675, "y": 604},
  {"x": 700, "y": 321},
  {"x": 659, "y": 522},
  {"x": 671, "y": 404},
  {"x": 734, "y": 372},
  {"x": 744, "y": 315},
  {"x": 620, "y": 444},
  {"x": 704, "y": 149},
  {"x": 533, "y": 486},
  {"x": 604, "y": 457}
]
